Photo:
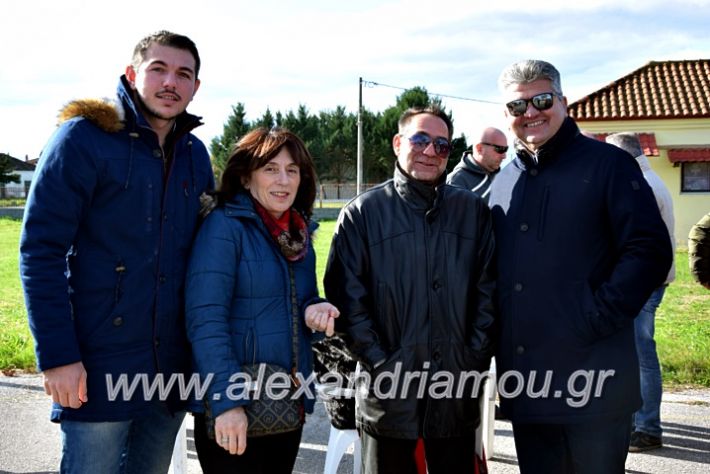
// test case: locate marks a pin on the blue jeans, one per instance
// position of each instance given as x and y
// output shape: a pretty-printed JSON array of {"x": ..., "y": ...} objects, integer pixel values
[
  {"x": 648, "y": 418},
  {"x": 137, "y": 446}
]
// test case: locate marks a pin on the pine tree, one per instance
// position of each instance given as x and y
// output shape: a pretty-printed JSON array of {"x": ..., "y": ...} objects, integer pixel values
[{"x": 221, "y": 146}]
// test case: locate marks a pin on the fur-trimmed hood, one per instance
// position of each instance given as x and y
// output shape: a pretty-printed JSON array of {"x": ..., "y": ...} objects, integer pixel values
[
  {"x": 115, "y": 114},
  {"x": 107, "y": 114}
]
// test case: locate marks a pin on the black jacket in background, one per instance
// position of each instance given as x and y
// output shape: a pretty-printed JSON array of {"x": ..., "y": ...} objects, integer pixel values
[{"x": 410, "y": 270}]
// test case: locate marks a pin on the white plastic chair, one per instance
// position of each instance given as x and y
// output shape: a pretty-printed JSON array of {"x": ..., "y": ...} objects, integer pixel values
[
  {"x": 178, "y": 464},
  {"x": 485, "y": 433},
  {"x": 339, "y": 440},
  {"x": 338, "y": 443}
]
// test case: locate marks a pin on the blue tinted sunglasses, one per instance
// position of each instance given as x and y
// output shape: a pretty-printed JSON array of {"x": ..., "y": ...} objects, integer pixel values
[{"x": 420, "y": 141}]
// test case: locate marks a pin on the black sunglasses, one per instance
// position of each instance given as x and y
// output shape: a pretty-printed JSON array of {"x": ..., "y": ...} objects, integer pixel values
[
  {"x": 420, "y": 141},
  {"x": 498, "y": 148},
  {"x": 540, "y": 101}
]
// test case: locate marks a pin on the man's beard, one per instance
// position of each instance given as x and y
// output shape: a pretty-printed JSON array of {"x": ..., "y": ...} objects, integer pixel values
[{"x": 151, "y": 113}]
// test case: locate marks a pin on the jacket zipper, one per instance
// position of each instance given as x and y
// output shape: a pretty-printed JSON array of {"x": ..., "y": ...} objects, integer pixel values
[{"x": 428, "y": 278}]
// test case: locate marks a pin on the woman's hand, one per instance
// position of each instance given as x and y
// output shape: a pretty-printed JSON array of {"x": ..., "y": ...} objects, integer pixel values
[
  {"x": 321, "y": 317},
  {"x": 230, "y": 430}
]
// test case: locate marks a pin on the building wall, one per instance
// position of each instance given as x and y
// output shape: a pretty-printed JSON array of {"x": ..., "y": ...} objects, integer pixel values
[
  {"x": 688, "y": 208},
  {"x": 18, "y": 190}
]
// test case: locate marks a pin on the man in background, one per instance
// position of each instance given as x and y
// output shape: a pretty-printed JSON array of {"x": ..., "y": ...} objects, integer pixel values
[
  {"x": 479, "y": 166},
  {"x": 646, "y": 422}
]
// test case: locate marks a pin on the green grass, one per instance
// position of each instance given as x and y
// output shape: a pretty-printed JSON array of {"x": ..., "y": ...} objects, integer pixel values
[
  {"x": 16, "y": 346},
  {"x": 329, "y": 204},
  {"x": 683, "y": 329},
  {"x": 321, "y": 242},
  {"x": 682, "y": 321},
  {"x": 12, "y": 202}
]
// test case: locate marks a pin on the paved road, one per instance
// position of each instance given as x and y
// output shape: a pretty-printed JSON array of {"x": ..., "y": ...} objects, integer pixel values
[{"x": 29, "y": 443}]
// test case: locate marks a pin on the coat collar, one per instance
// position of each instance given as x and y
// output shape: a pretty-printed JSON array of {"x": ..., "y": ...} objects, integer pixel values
[
  {"x": 420, "y": 196},
  {"x": 241, "y": 206},
  {"x": 469, "y": 164},
  {"x": 113, "y": 115},
  {"x": 184, "y": 123},
  {"x": 550, "y": 151}
]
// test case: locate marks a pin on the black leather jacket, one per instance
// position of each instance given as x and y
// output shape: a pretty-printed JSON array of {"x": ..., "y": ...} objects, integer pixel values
[{"x": 410, "y": 269}]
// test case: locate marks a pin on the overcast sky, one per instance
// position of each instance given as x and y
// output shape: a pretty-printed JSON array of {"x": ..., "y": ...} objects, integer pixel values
[{"x": 279, "y": 54}]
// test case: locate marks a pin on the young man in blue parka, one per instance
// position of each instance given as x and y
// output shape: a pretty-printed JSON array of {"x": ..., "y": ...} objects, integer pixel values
[
  {"x": 106, "y": 234},
  {"x": 581, "y": 248}
]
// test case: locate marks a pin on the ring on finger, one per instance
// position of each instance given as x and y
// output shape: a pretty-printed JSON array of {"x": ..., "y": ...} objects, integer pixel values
[{"x": 224, "y": 440}]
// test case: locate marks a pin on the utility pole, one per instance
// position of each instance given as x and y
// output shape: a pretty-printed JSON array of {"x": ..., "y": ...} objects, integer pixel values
[{"x": 358, "y": 186}]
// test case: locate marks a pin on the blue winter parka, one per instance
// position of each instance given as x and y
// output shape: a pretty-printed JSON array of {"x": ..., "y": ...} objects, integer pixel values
[
  {"x": 238, "y": 302},
  {"x": 103, "y": 253}
]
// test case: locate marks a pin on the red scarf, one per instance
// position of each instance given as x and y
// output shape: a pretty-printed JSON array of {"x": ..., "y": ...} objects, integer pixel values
[{"x": 290, "y": 231}]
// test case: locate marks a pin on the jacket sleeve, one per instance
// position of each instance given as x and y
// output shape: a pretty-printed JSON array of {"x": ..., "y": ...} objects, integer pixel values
[
  {"x": 641, "y": 244},
  {"x": 699, "y": 250},
  {"x": 484, "y": 323},
  {"x": 347, "y": 286},
  {"x": 59, "y": 197},
  {"x": 209, "y": 289}
]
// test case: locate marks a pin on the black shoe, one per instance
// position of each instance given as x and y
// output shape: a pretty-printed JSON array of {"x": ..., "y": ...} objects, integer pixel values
[{"x": 641, "y": 441}]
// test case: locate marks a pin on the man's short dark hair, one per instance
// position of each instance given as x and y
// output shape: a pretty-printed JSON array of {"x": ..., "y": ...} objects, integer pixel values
[
  {"x": 432, "y": 109},
  {"x": 165, "y": 38}
]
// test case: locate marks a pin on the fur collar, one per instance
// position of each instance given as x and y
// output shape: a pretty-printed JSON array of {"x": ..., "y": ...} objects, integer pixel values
[{"x": 107, "y": 114}]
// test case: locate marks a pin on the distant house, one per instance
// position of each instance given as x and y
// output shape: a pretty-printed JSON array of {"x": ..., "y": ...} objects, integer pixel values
[
  {"x": 668, "y": 104},
  {"x": 26, "y": 172}
]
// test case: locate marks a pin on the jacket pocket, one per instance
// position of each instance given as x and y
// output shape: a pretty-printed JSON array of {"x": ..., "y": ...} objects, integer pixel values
[
  {"x": 118, "y": 290},
  {"x": 249, "y": 349},
  {"x": 387, "y": 317},
  {"x": 543, "y": 214},
  {"x": 586, "y": 312},
  {"x": 97, "y": 286}
]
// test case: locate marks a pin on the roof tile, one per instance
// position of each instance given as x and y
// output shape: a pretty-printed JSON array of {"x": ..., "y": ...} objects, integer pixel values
[
  {"x": 658, "y": 90},
  {"x": 676, "y": 155}
]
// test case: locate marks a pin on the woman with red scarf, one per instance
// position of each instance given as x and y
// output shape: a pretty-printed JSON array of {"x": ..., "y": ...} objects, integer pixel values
[{"x": 252, "y": 298}]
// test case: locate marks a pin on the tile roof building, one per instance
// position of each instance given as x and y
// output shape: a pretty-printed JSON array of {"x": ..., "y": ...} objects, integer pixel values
[
  {"x": 667, "y": 103},
  {"x": 657, "y": 90}
]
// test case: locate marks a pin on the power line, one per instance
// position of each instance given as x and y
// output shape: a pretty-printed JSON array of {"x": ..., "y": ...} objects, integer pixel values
[{"x": 373, "y": 84}]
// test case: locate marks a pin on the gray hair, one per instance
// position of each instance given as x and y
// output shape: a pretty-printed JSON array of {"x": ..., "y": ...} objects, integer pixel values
[
  {"x": 627, "y": 141},
  {"x": 530, "y": 70}
]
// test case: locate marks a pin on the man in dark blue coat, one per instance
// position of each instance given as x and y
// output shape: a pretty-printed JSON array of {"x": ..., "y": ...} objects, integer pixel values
[
  {"x": 107, "y": 230},
  {"x": 582, "y": 246}
]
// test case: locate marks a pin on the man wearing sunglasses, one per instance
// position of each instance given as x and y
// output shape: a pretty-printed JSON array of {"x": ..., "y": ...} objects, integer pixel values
[
  {"x": 478, "y": 166},
  {"x": 581, "y": 248},
  {"x": 410, "y": 269}
]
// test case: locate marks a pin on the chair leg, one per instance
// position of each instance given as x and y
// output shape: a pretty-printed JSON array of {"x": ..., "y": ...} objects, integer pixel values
[
  {"x": 178, "y": 463},
  {"x": 338, "y": 443}
]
